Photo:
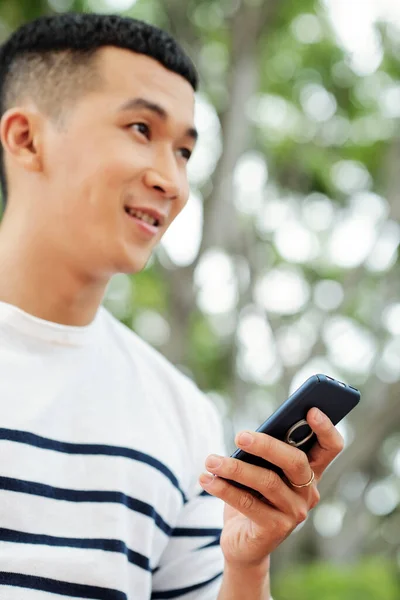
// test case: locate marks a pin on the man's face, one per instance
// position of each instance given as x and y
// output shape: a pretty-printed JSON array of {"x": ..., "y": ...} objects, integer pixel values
[{"x": 117, "y": 170}]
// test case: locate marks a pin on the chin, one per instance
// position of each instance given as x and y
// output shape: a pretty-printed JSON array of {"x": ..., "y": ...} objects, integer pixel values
[{"x": 133, "y": 266}]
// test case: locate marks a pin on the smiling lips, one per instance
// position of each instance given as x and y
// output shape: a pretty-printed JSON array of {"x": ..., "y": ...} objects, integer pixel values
[
  {"x": 149, "y": 219},
  {"x": 148, "y": 215}
]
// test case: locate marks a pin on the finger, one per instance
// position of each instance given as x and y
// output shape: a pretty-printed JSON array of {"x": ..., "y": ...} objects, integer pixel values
[
  {"x": 266, "y": 482},
  {"x": 329, "y": 441},
  {"x": 293, "y": 461},
  {"x": 248, "y": 505}
]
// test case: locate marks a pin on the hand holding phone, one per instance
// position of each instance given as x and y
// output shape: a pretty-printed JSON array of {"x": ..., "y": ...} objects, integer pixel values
[
  {"x": 288, "y": 423},
  {"x": 274, "y": 506}
]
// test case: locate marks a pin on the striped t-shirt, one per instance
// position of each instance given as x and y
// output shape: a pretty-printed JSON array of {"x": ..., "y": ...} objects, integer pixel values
[{"x": 102, "y": 441}]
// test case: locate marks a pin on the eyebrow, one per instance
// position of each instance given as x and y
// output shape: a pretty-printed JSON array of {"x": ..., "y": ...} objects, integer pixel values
[{"x": 157, "y": 109}]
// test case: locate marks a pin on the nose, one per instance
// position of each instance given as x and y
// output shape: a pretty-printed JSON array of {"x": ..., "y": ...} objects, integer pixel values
[{"x": 165, "y": 178}]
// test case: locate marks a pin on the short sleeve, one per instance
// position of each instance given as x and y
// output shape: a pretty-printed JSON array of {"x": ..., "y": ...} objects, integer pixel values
[{"x": 191, "y": 566}]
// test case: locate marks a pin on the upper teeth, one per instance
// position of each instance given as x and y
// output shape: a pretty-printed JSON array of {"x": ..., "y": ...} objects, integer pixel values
[{"x": 143, "y": 216}]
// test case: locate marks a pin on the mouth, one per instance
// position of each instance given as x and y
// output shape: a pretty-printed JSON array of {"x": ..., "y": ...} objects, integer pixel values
[
  {"x": 146, "y": 217},
  {"x": 148, "y": 221}
]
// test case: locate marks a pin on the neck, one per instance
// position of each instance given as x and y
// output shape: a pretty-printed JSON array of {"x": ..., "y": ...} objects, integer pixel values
[{"x": 39, "y": 279}]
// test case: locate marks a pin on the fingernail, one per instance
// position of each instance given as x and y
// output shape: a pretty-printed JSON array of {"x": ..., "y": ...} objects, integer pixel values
[
  {"x": 206, "y": 478},
  {"x": 318, "y": 416},
  {"x": 245, "y": 438},
  {"x": 213, "y": 461}
]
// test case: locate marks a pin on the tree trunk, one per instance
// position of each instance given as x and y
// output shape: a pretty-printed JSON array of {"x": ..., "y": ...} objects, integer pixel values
[{"x": 221, "y": 225}]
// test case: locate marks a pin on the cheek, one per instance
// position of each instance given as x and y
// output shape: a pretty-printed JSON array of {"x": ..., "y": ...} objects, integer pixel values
[
  {"x": 180, "y": 203},
  {"x": 105, "y": 167},
  {"x": 93, "y": 184},
  {"x": 106, "y": 159}
]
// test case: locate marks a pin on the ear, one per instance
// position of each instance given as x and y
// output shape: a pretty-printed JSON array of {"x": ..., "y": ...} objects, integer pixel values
[{"x": 20, "y": 134}]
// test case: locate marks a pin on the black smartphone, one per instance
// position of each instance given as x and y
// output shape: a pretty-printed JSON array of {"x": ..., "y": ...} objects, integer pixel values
[{"x": 287, "y": 423}]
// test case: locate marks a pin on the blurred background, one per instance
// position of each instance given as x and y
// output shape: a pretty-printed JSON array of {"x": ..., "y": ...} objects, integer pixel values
[{"x": 285, "y": 261}]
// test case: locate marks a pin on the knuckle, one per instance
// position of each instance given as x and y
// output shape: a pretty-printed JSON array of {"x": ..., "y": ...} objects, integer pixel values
[
  {"x": 301, "y": 513},
  {"x": 283, "y": 528},
  {"x": 299, "y": 460},
  {"x": 315, "y": 498},
  {"x": 235, "y": 468},
  {"x": 265, "y": 443},
  {"x": 269, "y": 480},
  {"x": 246, "y": 502},
  {"x": 339, "y": 445}
]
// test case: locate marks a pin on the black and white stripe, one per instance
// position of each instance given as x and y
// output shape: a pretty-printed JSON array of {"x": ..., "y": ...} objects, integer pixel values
[
  {"x": 101, "y": 445},
  {"x": 83, "y": 508}
]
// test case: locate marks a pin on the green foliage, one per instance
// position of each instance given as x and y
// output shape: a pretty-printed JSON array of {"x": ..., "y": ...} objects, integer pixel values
[
  {"x": 371, "y": 580},
  {"x": 14, "y": 13},
  {"x": 208, "y": 359},
  {"x": 149, "y": 291}
]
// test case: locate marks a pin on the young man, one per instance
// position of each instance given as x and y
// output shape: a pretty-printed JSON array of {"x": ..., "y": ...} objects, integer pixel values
[{"x": 102, "y": 440}]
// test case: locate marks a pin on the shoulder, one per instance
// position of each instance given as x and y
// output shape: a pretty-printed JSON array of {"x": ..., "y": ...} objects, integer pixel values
[
  {"x": 158, "y": 370},
  {"x": 187, "y": 412},
  {"x": 126, "y": 341}
]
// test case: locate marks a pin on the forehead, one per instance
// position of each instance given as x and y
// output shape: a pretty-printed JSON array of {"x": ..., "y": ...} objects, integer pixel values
[{"x": 127, "y": 74}]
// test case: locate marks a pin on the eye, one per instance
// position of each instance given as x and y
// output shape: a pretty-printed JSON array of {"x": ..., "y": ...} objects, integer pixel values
[
  {"x": 142, "y": 128},
  {"x": 185, "y": 153}
]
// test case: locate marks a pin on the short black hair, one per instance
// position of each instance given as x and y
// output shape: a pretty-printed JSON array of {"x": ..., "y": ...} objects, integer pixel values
[{"x": 51, "y": 59}]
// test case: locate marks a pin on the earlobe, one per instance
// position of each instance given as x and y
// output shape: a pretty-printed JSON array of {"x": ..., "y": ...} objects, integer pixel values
[{"x": 20, "y": 138}]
